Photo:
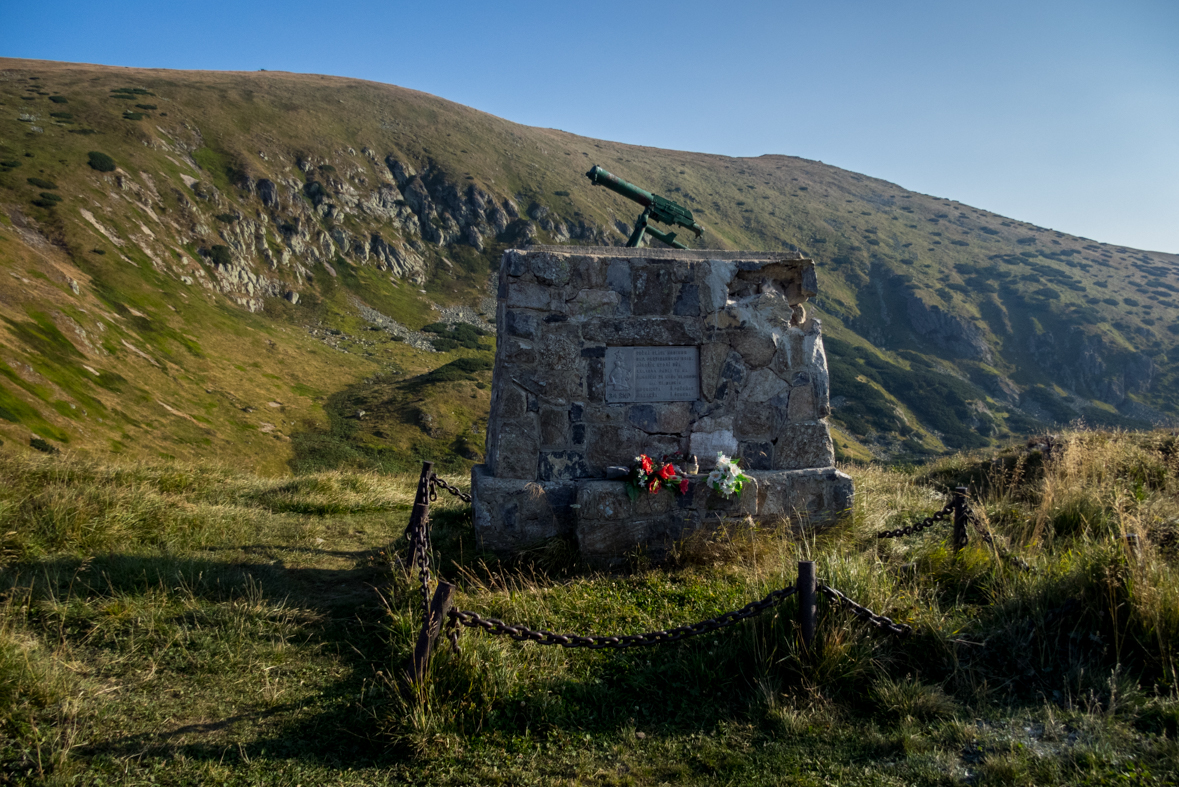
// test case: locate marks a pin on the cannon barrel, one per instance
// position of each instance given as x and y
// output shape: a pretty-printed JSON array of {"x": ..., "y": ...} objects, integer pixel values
[
  {"x": 657, "y": 208},
  {"x": 600, "y": 177}
]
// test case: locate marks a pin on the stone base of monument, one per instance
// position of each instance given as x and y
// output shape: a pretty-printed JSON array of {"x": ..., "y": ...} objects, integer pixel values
[
  {"x": 511, "y": 514},
  {"x": 606, "y": 353}
]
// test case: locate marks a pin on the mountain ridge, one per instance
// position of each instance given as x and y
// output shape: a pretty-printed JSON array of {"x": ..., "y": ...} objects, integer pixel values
[{"x": 308, "y": 241}]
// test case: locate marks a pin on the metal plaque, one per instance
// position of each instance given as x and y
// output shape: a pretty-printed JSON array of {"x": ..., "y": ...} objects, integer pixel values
[{"x": 652, "y": 374}]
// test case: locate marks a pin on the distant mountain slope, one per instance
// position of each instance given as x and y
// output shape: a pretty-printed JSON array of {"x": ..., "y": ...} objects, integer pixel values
[{"x": 241, "y": 265}]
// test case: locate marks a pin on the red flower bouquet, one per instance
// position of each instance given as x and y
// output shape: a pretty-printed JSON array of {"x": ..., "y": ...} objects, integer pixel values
[{"x": 648, "y": 476}]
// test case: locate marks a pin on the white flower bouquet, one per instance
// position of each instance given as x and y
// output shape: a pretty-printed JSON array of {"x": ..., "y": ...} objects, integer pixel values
[{"x": 726, "y": 478}]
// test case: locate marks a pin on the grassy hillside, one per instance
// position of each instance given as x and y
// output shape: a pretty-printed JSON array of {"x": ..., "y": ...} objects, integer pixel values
[
  {"x": 235, "y": 265},
  {"x": 172, "y": 623}
]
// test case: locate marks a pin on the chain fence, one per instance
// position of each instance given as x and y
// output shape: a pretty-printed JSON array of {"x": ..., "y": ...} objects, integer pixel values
[
  {"x": 917, "y": 527},
  {"x": 418, "y": 534},
  {"x": 863, "y": 613},
  {"x": 961, "y": 513},
  {"x": 621, "y": 642}
]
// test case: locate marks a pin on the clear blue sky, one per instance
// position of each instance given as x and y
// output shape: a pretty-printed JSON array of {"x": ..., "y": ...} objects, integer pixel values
[{"x": 1065, "y": 114}]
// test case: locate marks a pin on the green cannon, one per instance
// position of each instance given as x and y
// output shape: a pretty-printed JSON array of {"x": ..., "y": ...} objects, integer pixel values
[{"x": 657, "y": 208}]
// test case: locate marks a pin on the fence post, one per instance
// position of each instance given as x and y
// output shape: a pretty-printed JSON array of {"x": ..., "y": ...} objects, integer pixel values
[
  {"x": 960, "y": 536},
  {"x": 439, "y": 606},
  {"x": 421, "y": 501},
  {"x": 419, "y": 517},
  {"x": 807, "y": 591}
]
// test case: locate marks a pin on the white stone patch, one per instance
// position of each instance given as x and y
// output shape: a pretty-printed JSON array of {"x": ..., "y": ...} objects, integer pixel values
[
  {"x": 174, "y": 411},
  {"x": 110, "y": 235},
  {"x": 139, "y": 352},
  {"x": 721, "y": 273},
  {"x": 705, "y": 445}
]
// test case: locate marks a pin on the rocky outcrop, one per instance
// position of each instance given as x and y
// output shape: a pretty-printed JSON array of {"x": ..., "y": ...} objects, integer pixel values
[
  {"x": 944, "y": 330},
  {"x": 1088, "y": 363}
]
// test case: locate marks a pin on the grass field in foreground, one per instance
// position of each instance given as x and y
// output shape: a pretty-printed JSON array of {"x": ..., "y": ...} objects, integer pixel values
[{"x": 171, "y": 624}]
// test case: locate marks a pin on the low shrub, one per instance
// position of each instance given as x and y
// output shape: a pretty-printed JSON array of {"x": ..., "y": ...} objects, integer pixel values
[
  {"x": 145, "y": 106},
  {"x": 133, "y": 115},
  {"x": 83, "y": 131},
  {"x": 61, "y": 115},
  {"x": 220, "y": 255},
  {"x": 59, "y": 99},
  {"x": 226, "y": 218},
  {"x": 42, "y": 446},
  {"x": 451, "y": 337},
  {"x": 101, "y": 161},
  {"x": 50, "y": 196},
  {"x": 41, "y": 183},
  {"x": 8, "y": 165}
]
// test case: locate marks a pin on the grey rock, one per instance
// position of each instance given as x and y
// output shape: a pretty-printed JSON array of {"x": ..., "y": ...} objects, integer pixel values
[
  {"x": 653, "y": 290},
  {"x": 756, "y": 348},
  {"x": 804, "y": 445},
  {"x": 554, "y": 427},
  {"x": 517, "y": 449}
]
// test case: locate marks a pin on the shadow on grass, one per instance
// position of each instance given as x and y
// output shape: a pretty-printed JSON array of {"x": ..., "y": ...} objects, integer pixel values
[{"x": 334, "y": 612}]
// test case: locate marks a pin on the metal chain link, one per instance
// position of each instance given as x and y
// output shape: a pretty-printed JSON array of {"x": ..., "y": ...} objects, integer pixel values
[
  {"x": 879, "y": 621},
  {"x": 436, "y": 481},
  {"x": 917, "y": 527},
  {"x": 419, "y": 545},
  {"x": 419, "y": 542},
  {"x": 419, "y": 539},
  {"x": 543, "y": 637}
]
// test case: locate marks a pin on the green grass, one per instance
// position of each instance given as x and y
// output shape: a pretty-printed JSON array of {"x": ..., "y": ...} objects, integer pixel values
[
  {"x": 171, "y": 623},
  {"x": 872, "y": 241}
]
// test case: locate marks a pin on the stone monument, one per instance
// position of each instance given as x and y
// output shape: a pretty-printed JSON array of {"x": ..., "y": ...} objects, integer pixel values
[{"x": 604, "y": 353}]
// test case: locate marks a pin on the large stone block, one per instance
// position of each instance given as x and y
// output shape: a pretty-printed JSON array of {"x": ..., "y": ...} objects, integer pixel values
[
  {"x": 711, "y": 436},
  {"x": 756, "y": 348},
  {"x": 804, "y": 445},
  {"x": 550, "y": 269},
  {"x": 554, "y": 427},
  {"x": 811, "y": 496},
  {"x": 525, "y": 295},
  {"x": 517, "y": 448},
  {"x": 511, "y": 514},
  {"x": 803, "y": 403},
  {"x": 756, "y": 422},
  {"x": 653, "y": 289},
  {"x": 645, "y": 331},
  {"x": 594, "y": 303},
  {"x": 613, "y": 445},
  {"x": 520, "y": 323},
  {"x": 713, "y": 356},
  {"x": 562, "y": 466},
  {"x": 762, "y": 386}
]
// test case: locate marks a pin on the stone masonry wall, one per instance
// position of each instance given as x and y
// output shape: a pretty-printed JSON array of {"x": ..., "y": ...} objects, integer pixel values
[{"x": 763, "y": 388}]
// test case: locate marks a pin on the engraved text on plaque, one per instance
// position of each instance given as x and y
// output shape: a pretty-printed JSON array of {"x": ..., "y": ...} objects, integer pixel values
[{"x": 652, "y": 374}]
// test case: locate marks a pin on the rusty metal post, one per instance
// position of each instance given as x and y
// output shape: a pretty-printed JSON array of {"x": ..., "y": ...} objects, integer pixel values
[
  {"x": 419, "y": 520},
  {"x": 421, "y": 501},
  {"x": 960, "y": 536},
  {"x": 807, "y": 593},
  {"x": 439, "y": 607}
]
